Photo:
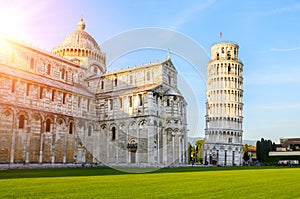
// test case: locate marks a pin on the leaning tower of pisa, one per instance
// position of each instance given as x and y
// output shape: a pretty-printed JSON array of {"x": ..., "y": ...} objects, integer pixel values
[{"x": 224, "y": 106}]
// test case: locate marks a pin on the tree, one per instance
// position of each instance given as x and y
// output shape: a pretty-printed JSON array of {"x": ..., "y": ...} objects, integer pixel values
[
  {"x": 245, "y": 148},
  {"x": 273, "y": 147},
  {"x": 258, "y": 151},
  {"x": 263, "y": 147},
  {"x": 246, "y": 156},
  {"x": 189, "y": 153},
  {"x": 199, "y": 151},
  {"x": 193, "y": 153}
]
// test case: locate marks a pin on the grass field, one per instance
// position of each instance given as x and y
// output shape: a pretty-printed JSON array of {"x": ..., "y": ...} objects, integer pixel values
[{"x": 241, "y": 182}]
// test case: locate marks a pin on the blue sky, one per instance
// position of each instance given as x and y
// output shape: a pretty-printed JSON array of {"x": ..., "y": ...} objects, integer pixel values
[{"x": 268, "y": 33}]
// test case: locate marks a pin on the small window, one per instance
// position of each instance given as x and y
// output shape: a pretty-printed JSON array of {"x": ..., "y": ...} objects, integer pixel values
[
  {"x": 88, "y": 104},
  {"x": 41, "y": 92},
  {"x": 116, "y": 82},
  {"x": 168, "y": 102},
  {"x": 31, "y": 63},
  {"x": 78, "y": 102},
  {"x": 21, "y": 121},
  {"x": 229, "y": 140},
  {"x": 148, "y": 76},
  {"x": 130, "y": 101},
  {"x": 27, "y": 89},
  {"x": 48, "y": 125},
  {"x": 64, "y": 98},
  {"x": 229, "y": 68},
  {"x": 48, "y": 69},
  {"x": 169, "y": 79},
  {"x": 113, "y": 133},
  {"x": 66, "y": 75},
  {"x": 95, "y": 69},
  {"x": 130, "y": 79},
  {"x": 53, "y": 95},
  {"x": 228, "y": 55},
  {"x": 121, "y": 102},
  {"x": 218, "y": 56},
  {"x": 102, "y": 84},
  {"x": 90, "y": 131},
  {"x": 62, "y": 73},
  {"x": 13, "y": 85},
  {"x": 71, "y": 128},
  {"x": 140, "y": 99}
]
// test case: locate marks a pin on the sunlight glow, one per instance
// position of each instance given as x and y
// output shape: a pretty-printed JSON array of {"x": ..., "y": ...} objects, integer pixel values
[
  {"x": 17, "y": 17},
  {"x": 11, "y": 20}
]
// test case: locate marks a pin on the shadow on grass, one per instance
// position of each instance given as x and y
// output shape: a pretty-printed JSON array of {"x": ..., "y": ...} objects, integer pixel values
[{"x": 102, "y": 171}]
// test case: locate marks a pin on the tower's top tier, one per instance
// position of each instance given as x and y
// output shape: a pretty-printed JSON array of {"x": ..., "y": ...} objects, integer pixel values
[{"x": 224, "y": 51}]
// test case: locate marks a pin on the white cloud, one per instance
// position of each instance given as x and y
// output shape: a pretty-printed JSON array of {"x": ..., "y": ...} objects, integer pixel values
[
  {"x": 285, "y": 106},
  {"x": 187, "y": 14},
  {"x": 284, "y": 49},
  {"x": 274, "y": 77},
  {"x": 281, "y": 10}
]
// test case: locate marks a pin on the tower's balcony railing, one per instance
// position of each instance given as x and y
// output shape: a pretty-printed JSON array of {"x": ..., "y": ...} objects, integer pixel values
[
  {"x": 227, "y": 41},
  {"x": 225, "y": 59}
]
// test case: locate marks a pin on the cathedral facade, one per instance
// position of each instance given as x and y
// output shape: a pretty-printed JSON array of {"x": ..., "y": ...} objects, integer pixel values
[{"x": 63, "y": 107}]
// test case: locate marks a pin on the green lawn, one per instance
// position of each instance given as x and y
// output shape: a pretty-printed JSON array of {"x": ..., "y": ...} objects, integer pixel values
[{"x": 166, "y": 183}]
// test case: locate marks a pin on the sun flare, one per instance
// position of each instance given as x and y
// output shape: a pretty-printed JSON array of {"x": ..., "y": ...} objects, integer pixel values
[{"x": 17, "y": 17}]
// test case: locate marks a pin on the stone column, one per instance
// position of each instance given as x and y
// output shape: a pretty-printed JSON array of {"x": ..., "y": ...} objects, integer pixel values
[
  {"x": 12, "y": 152},
  {"x": 151, "y": 149},
  {"x": 158, "y": 144},
  {"x": 107, "y": 144},
  {"x": 179, "y": 149},
  {"x": 151, "y": 100},
  {"x": 173, "y": 147},
  {"x": 65, "y": 144},
  {"x": 28, "y": 135},
  {"x": 117, "y": 144},
  {"x": 165, "y": 147},
  {"x": 185, "y": 151},
  {"x": 138, "y": 140},
  {"x": 41, "y": 143},
  {"x": 95, "y": 146},
  {"x": 126, "y": 142},
  {"x": 83, "y": 155},
  {"x": 53, "y": 136},
  {"x": 76, "y": 141}
]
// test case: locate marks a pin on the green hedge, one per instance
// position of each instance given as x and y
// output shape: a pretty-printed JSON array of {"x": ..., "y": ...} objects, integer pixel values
[{"x": 274, "y": 159}]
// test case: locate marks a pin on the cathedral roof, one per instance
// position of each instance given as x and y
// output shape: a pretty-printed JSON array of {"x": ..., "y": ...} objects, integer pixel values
[
  {"x": 173, "y": 91},
  {"x": 146, "y": 87},
  {"x": 79, "y": 39},
  {"x": 130, "y": 69},
  {"x": 34, "y": 78}
]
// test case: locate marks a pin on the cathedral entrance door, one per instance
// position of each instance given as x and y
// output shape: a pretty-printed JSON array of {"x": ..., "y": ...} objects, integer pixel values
[{"x": 133, "y": 157}]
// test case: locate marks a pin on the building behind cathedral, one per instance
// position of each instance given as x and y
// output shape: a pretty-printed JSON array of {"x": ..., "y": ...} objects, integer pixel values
[{"x": 63, "y": 107}]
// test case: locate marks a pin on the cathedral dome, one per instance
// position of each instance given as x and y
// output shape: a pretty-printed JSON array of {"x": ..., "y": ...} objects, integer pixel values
[
  {"x": 81, "y": 48},
  {"x": 79, "y": 39}
]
